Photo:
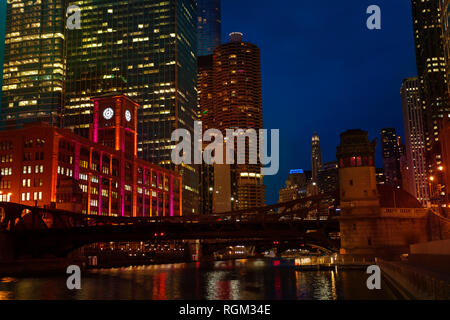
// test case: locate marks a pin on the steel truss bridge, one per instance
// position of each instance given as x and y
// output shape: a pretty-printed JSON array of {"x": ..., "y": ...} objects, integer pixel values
[{"x": 36, "y": 232}]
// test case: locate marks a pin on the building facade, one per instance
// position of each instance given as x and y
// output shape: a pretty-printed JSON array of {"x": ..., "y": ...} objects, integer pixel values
[
  {"x": 296, "y": 185},
  {"x": 392, "y": 151},
  {"x": 288, "y": 193},
  {"x": 205, "y": 98},
  {"x": 236, "y": 104},
  {"x": 209, "y": 26},
  {"x": 48, "y": 166},
  {"x": 414, "y": 139},
  {"x": 379, "y": 174},
  {"x": 444, "y": 171},
  {"x": 444, "y": 124},
  {"x": 34, "y": 62},
  {"x": 328, "y": 179},
  {"x": 146, "y": 50},
  {"x": 445, "y": 25},
  {"x": 428, "y": 20}
]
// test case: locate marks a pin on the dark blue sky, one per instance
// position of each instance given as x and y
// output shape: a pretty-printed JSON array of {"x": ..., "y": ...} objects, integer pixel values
[{"x": 322, "y": 70}]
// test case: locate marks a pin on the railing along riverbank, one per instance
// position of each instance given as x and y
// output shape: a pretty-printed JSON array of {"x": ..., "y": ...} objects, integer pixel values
[{"x": 418, "y": 283}]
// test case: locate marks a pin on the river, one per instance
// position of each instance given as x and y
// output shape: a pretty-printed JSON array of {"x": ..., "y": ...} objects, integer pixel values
[{"x": 253, "y": 279}]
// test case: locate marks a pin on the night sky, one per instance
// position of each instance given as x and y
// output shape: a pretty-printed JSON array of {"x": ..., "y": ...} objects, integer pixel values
[{"x": 323, "y": 70}]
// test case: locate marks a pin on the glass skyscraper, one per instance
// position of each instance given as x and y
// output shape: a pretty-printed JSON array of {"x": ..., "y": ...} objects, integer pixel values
[
  {"x": 145, "y": 49},
  {"x": 428, "y": 20},
  {"x": 33, "y": 68},
  {"x": 2, "y": 41},
  {"x": 209, "y": 26}
]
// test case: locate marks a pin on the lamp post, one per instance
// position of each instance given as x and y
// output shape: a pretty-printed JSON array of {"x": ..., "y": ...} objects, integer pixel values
[
  {"x": 442, "y": 198},
  {"x": 430, "y": 180}
]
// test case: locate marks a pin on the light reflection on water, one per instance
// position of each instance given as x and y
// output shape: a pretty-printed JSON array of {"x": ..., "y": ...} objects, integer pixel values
[{"x": 223, "y": 280}]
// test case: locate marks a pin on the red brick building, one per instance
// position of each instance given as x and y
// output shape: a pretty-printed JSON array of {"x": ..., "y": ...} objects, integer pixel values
[{"x": 48, "y": 166}]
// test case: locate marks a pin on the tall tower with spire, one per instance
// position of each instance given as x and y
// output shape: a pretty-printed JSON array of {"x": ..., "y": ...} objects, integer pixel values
[{"x": 316, "y": 157}]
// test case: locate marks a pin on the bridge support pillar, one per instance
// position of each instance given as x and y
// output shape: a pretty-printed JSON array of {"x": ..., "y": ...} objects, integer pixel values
[
  {"x": 198, "y": 251},
  {"x": 194, "y": 249}
]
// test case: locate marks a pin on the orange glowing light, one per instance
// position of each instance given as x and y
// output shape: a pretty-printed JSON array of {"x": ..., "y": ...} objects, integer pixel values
[
  {"x": 431, "y": 178},
  {"x": 440, "y": 168}
]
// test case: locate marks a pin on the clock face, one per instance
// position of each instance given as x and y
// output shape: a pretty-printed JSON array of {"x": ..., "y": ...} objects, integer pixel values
[
  {"x": 128, "y": 115},
  {"x": 108, "y": 113}
]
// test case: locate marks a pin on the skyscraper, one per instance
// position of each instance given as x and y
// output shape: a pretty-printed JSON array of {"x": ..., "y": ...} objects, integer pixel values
[
  {"x": 445, "y": 24},
  {"x": 145, "y": 49},
  {"x": 33, "y": 68},
  {"x": 205, "y": 95},
  {"x": 328, "y": 179},
  {"x": 316, "y": 157},
  {"x": 431, "y": 68},
  {"x": 205, "y": 91},
  {"x": 2, "y": 42},
  {"x": 391, "y": 153},
  {"x": 414, "y": 138},
  {"x": 209, "y": 26},
  {"x": 444, "y": 126},
  {"x": 238, "y": 104},
  {"x": 443, "y": 170}
]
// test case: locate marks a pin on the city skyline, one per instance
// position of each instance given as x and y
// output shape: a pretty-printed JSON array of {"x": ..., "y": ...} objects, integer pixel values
[
  {"x": 308, "y": 22},
  {"x": 225, "y": 150}
]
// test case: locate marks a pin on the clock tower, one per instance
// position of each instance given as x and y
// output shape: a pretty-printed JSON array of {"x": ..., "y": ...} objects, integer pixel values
[{"x": 115, "y": 123}]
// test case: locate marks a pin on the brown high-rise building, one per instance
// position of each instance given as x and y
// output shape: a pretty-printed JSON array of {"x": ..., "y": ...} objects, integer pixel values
[
  {"x": 233, "y": 102},
  {"x": 237, "y": 85},
  {"x": 238, "y": 104}
]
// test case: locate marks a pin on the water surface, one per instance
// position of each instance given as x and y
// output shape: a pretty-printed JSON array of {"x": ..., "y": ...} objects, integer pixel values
[{"x": 225, "y": 280}]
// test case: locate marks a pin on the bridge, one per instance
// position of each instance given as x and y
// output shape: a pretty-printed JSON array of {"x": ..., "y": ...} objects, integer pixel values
[{"x": 35, "y": 232}]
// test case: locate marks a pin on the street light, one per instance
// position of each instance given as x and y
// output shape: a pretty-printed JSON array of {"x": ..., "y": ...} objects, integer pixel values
[{"x": 441, "y": 168}]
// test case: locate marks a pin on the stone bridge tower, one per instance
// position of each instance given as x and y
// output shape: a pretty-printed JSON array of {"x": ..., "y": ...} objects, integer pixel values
[
  {"x": 375, "y": 220},
  {"x": 356, "y": 156}
]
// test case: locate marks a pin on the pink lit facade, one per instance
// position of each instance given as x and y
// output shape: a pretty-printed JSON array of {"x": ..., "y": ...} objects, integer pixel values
[{"x": 49, "y": 166}]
